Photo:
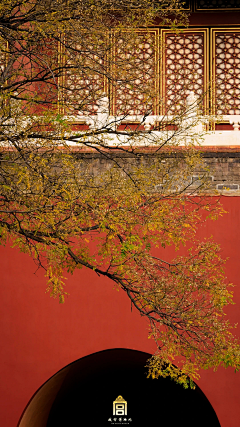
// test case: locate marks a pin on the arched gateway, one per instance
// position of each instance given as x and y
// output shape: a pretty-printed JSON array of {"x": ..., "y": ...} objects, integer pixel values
[{"x": 110, "y": 388}]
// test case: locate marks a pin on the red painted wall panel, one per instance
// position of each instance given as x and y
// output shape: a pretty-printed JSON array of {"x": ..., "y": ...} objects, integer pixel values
[{"x": 39, "y": 336}]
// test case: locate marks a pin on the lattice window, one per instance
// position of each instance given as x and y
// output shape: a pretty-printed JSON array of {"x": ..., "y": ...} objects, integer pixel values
[
  {"x": 3, "y": 54},
  {"x": 43, "y": 67},
  {"x": 184, "y": 67},
  {"x": 3, "y": 63},
  {"x": 217, "y": 4},
  {"x": 83, "y": 83},
  {"x": 135, "y": 90},
  {"x": 226, "y": 73}
]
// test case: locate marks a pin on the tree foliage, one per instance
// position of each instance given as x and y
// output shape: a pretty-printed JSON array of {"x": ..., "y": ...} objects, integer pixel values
[{"x": 105, "y": 197}]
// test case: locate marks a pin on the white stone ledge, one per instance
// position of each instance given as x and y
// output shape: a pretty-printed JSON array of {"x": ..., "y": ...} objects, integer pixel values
[
  {"x": 156, "y": 138},
  {"x": 221, "y": 138}
]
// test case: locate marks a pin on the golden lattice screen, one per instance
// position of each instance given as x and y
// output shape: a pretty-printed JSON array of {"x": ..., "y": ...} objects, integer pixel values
[
  {"x": 226, "y": 71},
  {"x": 83, "y": 83},
  {"x": 184, "y": 67},
  {"x": 217, "y": 4},
  {"x": 156, "y": 72},
  {"x": 135, "y": 89}
]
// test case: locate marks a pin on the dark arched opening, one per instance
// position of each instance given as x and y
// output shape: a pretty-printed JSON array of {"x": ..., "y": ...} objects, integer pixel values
[{"x": 84, "y": 392}]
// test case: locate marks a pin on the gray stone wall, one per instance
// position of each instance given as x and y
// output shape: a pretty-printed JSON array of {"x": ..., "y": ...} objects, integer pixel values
[
  {"x": 223, "y": 165},
  {"x": 224, "y": 170}
]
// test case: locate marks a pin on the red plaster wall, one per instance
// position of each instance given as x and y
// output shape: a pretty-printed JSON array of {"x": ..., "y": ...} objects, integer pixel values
[{"x": 39, "y": 336}]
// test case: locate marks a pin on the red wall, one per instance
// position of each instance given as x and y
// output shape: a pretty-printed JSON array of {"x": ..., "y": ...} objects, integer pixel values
[{"x": 39, "y": 336}]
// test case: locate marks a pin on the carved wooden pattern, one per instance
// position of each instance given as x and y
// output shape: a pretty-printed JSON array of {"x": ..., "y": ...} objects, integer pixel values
[
  {"x": 217, "y": 4},
  {"x": 43, "y": 65},
  {"x": 136, "y": 82},
  {"x": 227, "y": 73},
  {"x": 83, "y": 82},
  {"x": 183, "y": 68},
  {"x": 3, "y": 55}
]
